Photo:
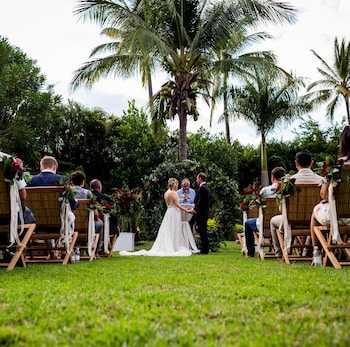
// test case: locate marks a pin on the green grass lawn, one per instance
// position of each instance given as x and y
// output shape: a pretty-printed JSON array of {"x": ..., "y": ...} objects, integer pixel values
[{"x": 221, "y": 299}]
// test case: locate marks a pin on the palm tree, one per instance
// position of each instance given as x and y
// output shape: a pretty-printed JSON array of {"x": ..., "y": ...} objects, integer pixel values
[
  {"x": 335, "y": 82},
  {"x": 180, "y": 37},
  {"x": 267, "y": 99},
  {"x": 237, "y": 66},
  {"x": 119, "y": 61}
]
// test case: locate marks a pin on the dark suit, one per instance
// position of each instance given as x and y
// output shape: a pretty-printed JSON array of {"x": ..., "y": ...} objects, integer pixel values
[
  {"x": 202, "y": 206},
  {"x": 45, "y": 178}
]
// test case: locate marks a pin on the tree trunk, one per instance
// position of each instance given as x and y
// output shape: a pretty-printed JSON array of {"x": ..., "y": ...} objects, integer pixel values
[
  {"x": 182, "y": 134},
  {"x": 347, "y": 109},
  {"x": 227, "y": 124},
  {"x": 264, "y": 168}
]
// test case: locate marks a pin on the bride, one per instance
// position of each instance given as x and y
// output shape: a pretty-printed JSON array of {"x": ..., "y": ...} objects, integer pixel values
[{"x": 170, "y": 240}]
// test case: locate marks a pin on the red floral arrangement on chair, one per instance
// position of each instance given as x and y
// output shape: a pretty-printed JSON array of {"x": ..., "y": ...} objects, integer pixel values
[
  {"x": 13, "y": 169},
  {"x": 329, "y": 170},
  {"x": 251, "y": 197}
]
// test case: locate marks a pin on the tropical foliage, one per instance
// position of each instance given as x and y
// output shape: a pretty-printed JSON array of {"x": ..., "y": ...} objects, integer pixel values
[
  {"x": 266, "y": 99},
  {"x": 178, "y": 37},
  {"x": 334, "y": 85}
]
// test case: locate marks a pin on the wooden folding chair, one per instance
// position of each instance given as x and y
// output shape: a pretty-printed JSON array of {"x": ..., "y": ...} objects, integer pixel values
[
  {"x": 43, "y": 201},
  {"x": 253, "y": 212},
  {"x": 111, "y": 244},
  {"x": 81, "y": 226},
  {"x": 263, "y": 238},
  {"x": 337, "y": 253},
  {"x": 5, "y": 216},
  {"x": 298, "y": 215}
]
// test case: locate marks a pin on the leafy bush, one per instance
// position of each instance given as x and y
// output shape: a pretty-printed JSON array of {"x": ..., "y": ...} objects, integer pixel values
[{"x": 224, "y": 204}]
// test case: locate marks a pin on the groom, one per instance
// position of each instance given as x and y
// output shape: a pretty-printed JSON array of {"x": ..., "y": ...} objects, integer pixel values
[{"x": 201, "y": 211}]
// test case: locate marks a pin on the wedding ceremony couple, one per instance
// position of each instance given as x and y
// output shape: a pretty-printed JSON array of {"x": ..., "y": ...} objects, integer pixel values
[{"x": 174, "y": 236}]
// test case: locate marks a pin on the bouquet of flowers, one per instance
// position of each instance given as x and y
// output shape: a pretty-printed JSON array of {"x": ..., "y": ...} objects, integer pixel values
[
  {"x": 14, "y": 170},
  {"x": 68, "y": 192},
  {"x": 251, "y": 197},
  {"x": 284, "y": 188},
  {"x": 127, "y": 201},
  {"x": 108, "y": 208},
  {"x": 127, "y": 205},
  {"x": 93, "y": 204},
  {"x": 329, "y": 171}
]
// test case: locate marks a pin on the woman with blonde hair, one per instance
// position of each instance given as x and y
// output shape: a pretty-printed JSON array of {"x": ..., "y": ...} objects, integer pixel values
[{"x": 170, "y": 240}]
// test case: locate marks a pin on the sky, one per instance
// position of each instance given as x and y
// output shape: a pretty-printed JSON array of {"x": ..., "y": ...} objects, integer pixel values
[{"x": 48, "y": 32}]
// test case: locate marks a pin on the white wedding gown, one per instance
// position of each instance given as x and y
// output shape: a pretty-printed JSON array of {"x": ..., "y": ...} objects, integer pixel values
[{"x": 170, "y": 240}]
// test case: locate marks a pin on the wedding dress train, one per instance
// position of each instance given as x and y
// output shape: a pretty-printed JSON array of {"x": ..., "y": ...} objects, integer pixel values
[{"x": 170, "y": 239}]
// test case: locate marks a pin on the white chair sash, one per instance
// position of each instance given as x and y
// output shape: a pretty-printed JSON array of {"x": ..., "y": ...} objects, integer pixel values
[
  {"x": 285, "y": 226},
  {"x": 91, "y": 230},
  {"x": 16, "y": 211},
  {"x": 333, "y": 214},
  {"x": 245, "y": 217},
  {"x": 106, "y": 231},
  {"x": 67, "y": 225},
  {"x": 261, "y": 227}
]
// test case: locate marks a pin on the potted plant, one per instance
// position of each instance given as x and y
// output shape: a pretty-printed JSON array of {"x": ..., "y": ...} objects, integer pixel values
[{"x": 127, "y": 205}]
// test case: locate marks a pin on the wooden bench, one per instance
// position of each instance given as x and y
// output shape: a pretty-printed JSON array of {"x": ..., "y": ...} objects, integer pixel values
[
  {"x": 5, "y": 217},
  {"x": 43, "y": 201}
]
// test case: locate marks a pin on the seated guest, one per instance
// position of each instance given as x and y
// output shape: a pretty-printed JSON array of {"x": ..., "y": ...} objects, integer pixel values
[
  {"x": 252, "y": 224},
  {"x": 186, "y": 194},
  {"x": 303, "y": 163},
  {"x": 77, "y": 178},
  {"x": 49, "y": 177},
  {"x": 96, "y": 189},
  {"x": 21, "y": 184},
  {"x": 28, "y": 216}
]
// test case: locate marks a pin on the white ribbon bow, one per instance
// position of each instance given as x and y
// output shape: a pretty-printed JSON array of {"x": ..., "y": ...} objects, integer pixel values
[
  {"x": 16, "y": 210},
  {"x": 91, "y": 230}
]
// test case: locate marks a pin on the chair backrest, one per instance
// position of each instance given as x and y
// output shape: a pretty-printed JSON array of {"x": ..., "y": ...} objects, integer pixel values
[
  {"x": 253, "y": 212},
  {"x": 4, "y": 196},
  {"x": 271, "y": 209},
  {"x": 342, "y": 193},
  {"x": 82, "y": 216},
  {"x": 302, "y": 202},
  {"x": 43, "y": 202}
]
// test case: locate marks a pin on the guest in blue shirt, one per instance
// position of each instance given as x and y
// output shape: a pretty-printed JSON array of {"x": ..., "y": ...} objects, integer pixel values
[{"x": 186, "y": 194}]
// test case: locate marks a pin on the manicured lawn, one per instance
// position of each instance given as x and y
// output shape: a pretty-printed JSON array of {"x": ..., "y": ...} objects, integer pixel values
[{"x": 222, "y": 299}]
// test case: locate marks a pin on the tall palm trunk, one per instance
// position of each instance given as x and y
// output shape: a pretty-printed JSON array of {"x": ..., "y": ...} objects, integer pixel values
[
  {"x": 347, "y": 109},
  {"x": 264, "y": 169},
  {"x": 227, "y": 124},
  {"x": 182, "y": 133}
]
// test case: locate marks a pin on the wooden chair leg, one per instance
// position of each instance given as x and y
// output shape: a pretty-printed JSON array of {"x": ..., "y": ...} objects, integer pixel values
[
  {"x": 19, "y": 252},
  {"x": 68, "y": 257},
  {"x": 284, "y": 251},
  {"x": 112, "y": 240},
  {"x": 94, "y": 247},
  {"x": 240, "y": 238},
  {"x": 328, "y": 254},
  {"x": 260, "y": 249}
]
